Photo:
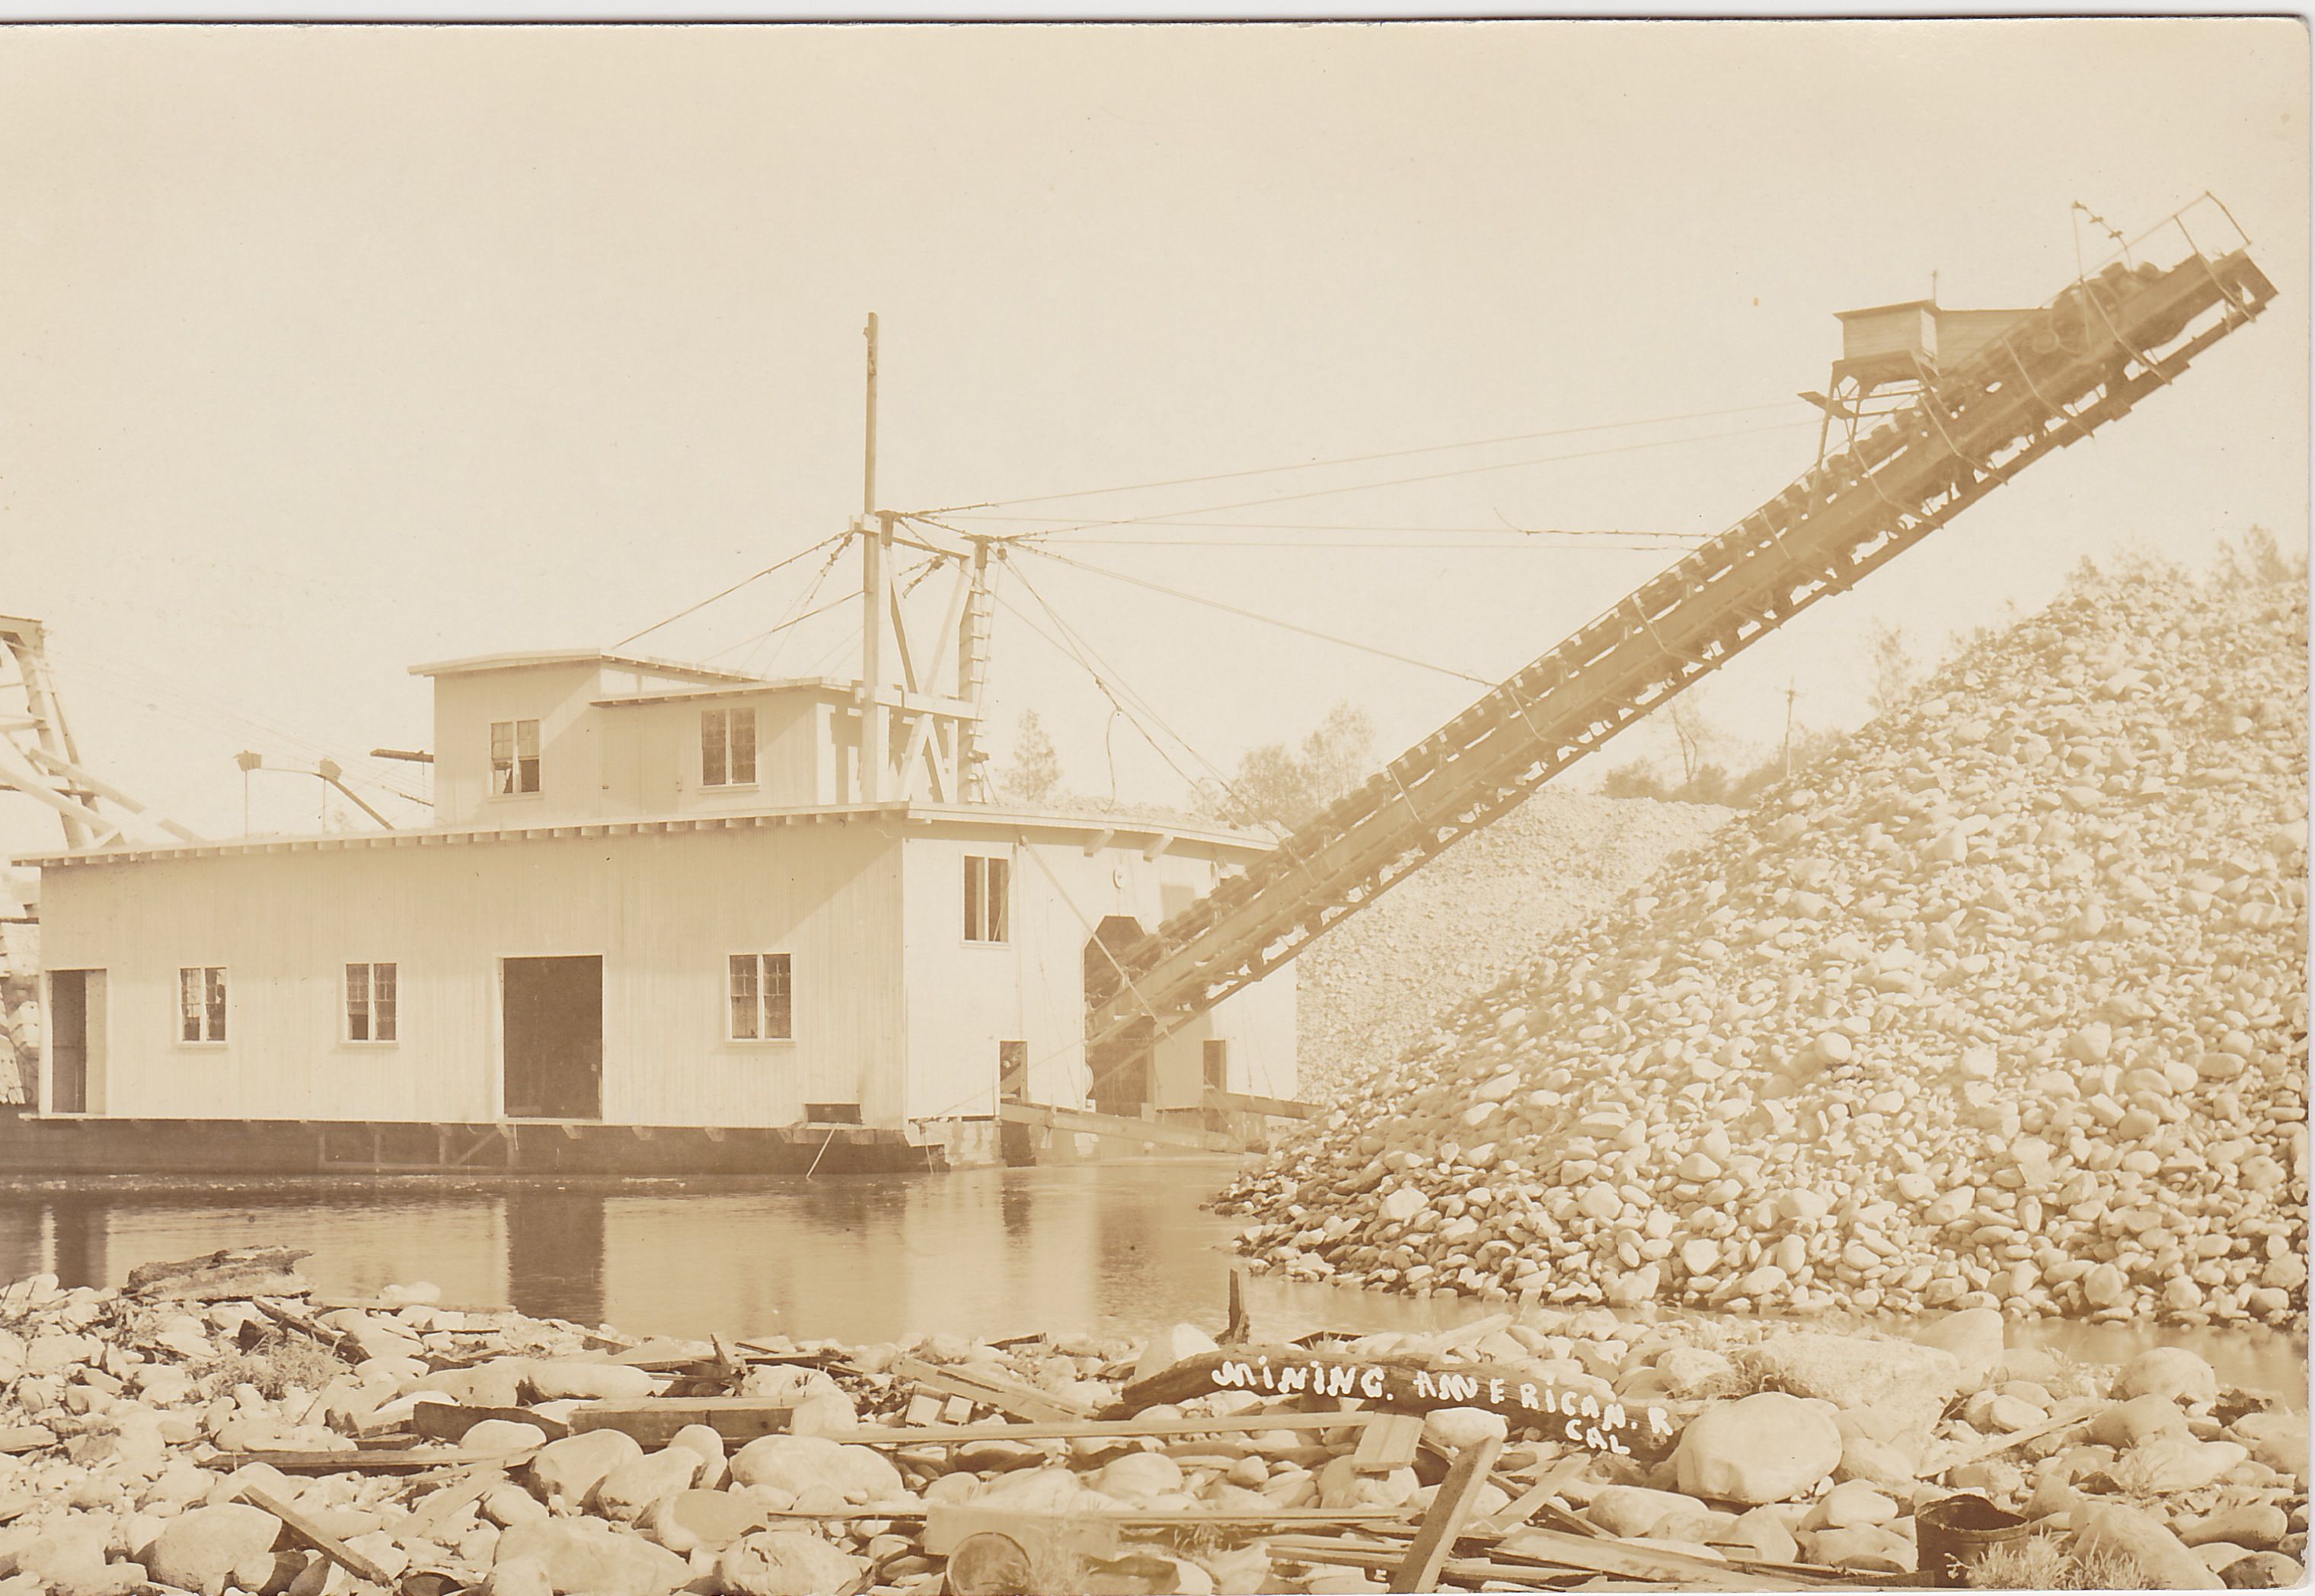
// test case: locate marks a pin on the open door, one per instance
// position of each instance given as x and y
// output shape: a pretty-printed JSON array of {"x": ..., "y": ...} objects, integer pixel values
[
  {"x": 75, "y": 1040},
  {"x": 552, "y": 1037},
  {"x": 1122, "y": 1078}
]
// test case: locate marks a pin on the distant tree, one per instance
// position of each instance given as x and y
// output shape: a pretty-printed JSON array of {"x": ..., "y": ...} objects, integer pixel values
[
  {"x": 2258, "y": 559},
  {"x": 1034, "y": 774},
  {"x": 1276, "y": 785},
  {"x": 1709, "y": 785},
  {"x": 1693, "y": 733},
  {"x": 1635, "y": 780},
  {"x": 1889, "y": 655}
]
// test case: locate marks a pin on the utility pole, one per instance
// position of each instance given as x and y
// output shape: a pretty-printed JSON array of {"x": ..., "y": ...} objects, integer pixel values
[
  {"x": 1792, "y": 691},
  {"x": 868, "y": 471},
  {"x": 248, "y": 760},
  {"x": 875, "y": 582}
]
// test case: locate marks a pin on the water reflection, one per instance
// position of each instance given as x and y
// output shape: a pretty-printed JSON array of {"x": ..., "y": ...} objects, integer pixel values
[
  {"x": 557, "y": 1245},
  {"x": 1116, "y": 1248}
]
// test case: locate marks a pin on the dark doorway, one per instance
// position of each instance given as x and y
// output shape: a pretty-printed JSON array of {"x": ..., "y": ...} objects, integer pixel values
[
  {"x": 1215, "y": 1060},
  {"x": 71, "y": 993},
  {"x": 554, "y": 1038},
  {"x": 1014, "y": 1143},
  {"x": 1121, "y": 1076}
]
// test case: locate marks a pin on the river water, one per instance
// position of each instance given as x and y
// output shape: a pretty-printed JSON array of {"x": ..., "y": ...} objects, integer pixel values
[{"x": 1114, "y": 1248}]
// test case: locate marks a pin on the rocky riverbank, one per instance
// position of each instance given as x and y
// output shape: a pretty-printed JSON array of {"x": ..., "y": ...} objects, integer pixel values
[
  {"x": 218, "y": 1429},
  {"x": 2004, "y": 1005}
]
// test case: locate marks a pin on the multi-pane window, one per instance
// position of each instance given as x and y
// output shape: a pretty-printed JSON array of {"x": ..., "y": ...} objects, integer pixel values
[
  {"x": 370, "y": 1002},
  {"x": 727, "y": 747},
  {"x": 514, "y": 756},
  {"x": 987, "y": 899},
  {"x": 762, "y": 1007},
  {"x": 200, "y": 1003}
]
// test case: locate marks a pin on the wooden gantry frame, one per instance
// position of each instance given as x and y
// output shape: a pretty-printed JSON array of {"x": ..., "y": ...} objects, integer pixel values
[
  {"x": 38, "y": 759},
  {"x": 920, "y": 694}
]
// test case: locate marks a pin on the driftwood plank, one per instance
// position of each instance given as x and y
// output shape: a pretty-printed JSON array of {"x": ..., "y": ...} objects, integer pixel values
[
  {"x": 371, "y": 1459},
  {"x": 337, "y": 1551},
  {"x": 1649, "y": 1564},
  {"x": 1094, "y": 1429},
  {"x": 1648, "y": 1430},
  {"x": 1550, "y": 1573},
  {"x": 289, "y": 1318},
  {"x": 1389, "y": 1443},
  {"x": 1457, "y": 1494},
  {"x": 654, "y": 1420},
  {"x": 2003, "y": 1444},
  {"x": 450, "y": 1421},
  {"x": 1374, "y": 1555},
  {"x": 1525, "y": 1505},
  {"x": 1021, "y": 1401},
  {"x": 230, "y": 1273},
  {"x": 439, "y": 1506}
]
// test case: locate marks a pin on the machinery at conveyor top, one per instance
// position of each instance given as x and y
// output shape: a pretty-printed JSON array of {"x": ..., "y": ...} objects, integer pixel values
[{"x": 1963, "y": 427}]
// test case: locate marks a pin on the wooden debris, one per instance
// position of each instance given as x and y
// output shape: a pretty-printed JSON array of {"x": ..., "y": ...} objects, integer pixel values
[
  {"x": 1090, "y": 1429},
  {"x": 1648, "y": 1432},
  {"x": 322, "y": 1304},
  {"x": 450, "y": 1421},
  {"x": 1389, "y": 1443},
  {"x": 1451, "y": 1508},
  {"x": 371, "y": 1459},
  {"x": 337, "y": 1551},
  {"x": 1586, "y": 1564},
  {"x": 227, "y": 1274},
  {"x": 1993, "y": 1446},
  {"x": 442, "y": 1505},
  {"x": 305, "y": 1324},
  {"x": 1239, "y": 1329},
  {"x": 1386, "y": 1518},
  {"x": 1527, "y": 1504},
  {"x": 1276, "y": 1108},
  {"x": 1373, "y": 1554},
  {"x": 949, "y": 1525},
  {"x": 1651, "y": 1563},
  {"x": 1021, "y": 1401},
  {"x": 654, "y": 1420}
]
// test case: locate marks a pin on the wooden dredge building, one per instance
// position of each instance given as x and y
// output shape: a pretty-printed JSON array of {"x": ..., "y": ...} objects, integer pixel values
[{"x": 666, "y": 917}]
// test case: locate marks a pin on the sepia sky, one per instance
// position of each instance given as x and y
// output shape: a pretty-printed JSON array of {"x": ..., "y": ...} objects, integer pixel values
[{"x": 327, "y": 351}]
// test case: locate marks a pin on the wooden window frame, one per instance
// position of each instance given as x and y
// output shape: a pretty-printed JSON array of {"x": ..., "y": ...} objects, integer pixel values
[
  {"x": 759, "y": 997},
  {"x": 516, "y": 765},
  {"x": 987, "y": 899},
  {"x": 370, "y": 970},
  {"x": 219, "y": 976},
  {"x": 724, "y": 723}
]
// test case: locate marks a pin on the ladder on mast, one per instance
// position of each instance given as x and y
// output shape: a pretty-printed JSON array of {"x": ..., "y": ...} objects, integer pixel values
[{"x": 2054, "y": 376}]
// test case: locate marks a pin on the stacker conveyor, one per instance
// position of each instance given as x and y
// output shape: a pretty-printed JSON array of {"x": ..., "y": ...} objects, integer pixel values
[{"x": 2054, "y": 376}]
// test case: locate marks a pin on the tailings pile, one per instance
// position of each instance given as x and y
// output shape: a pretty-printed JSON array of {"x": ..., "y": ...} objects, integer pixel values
[
  {"x": 1372, "y": 989},
  {"x": 2003, "y": 1005}
]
